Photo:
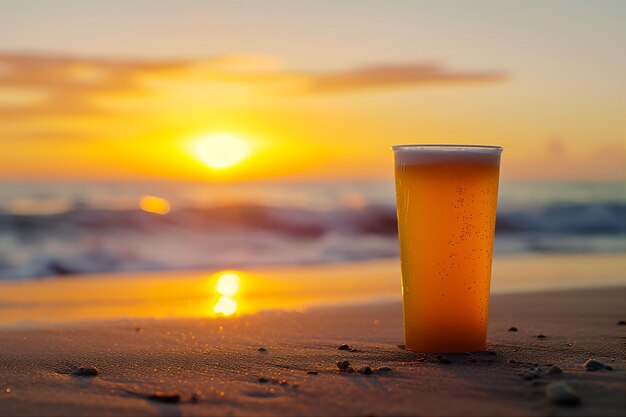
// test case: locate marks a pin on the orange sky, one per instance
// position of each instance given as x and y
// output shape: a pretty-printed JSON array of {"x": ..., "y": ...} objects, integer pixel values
[{"x": 70, "y": 111}]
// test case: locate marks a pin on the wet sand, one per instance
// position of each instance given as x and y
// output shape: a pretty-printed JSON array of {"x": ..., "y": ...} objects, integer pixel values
[
  {"x": 291, "y": 288},
  {"x": 213, "y": 366}
]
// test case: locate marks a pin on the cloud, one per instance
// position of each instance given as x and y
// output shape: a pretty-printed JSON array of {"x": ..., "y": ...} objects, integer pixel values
[
  {"x": 70, "y": 84},
  {"x": 400, "y": 75}
]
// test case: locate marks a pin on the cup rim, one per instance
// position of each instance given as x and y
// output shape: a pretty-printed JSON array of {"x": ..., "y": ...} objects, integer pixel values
[{"x": 447, "y": 147}]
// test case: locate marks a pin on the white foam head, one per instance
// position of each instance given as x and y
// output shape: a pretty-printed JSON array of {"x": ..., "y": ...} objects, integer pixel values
[{"x": 447, "y": 154}]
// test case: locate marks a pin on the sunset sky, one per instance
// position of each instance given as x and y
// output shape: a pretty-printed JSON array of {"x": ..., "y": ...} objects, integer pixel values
[{"x": 314, "y": 90}]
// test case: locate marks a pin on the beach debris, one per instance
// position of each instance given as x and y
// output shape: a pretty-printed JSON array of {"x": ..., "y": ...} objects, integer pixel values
[
  {"x": 554, "y": 370},
  {"x": 344, "y": 347},
  {"x": 595, "y": 365},
  {"x": 365, "y": 370},
  {"x": 621, "y": 323},
  {"x": 165, "y": 397},
  {"x": 312, "y": 372},
  {"x": 442, "y": 360},
  {"x": 262, "y": 349},
  {"x": 384, "y": 369},
  {"x": 560, "y": 393},
  {"x": 513, "y": 329},
  {"x": 86, "y": 371},
  {"x": 263, "y": 380},
  {"x": 343, "y": 365},
  {"x": 541, "y": 336}
]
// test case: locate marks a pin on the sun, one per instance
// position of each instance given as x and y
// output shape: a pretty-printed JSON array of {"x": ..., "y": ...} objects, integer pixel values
[{"x": 221, "y": 150}]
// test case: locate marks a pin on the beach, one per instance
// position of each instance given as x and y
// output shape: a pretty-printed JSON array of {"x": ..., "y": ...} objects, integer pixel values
[
  {"x": 208, "y": 208},
  {"x": 273, "y": 358}
]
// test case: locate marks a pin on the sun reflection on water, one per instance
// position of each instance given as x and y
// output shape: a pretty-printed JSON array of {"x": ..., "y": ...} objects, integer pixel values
[
  {"x": 227, "y": 286},
  {"x": 225, "y": 305}
]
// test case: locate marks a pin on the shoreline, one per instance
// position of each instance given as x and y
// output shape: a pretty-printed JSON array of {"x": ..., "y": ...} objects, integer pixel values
[{"x": 172, "y": 294}]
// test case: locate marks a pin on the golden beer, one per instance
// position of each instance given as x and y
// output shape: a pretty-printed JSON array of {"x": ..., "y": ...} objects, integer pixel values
[{"x": 446, "y": 201}]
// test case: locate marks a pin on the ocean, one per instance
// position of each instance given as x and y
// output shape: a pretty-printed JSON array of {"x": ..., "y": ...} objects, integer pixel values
[{"x": 51, "y": 229}]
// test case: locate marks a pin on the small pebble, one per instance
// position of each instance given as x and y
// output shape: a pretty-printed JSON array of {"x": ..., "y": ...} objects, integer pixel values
[
  {"x": 513, "y": 329},
  {"x": 312, "y": 372},
  {"x": 343, "y": 365},
  {"x": 595, "y": 365},
  {"x": 165, "y": 397},
  {"x": 490, "y": 352},
  {"x": 348, "y": 370},
  {"x": 540, "y": 336},
  {"x": 384, "y": 369},
  {"x": 554, "y": 370},
  {"x": 530, "y": 375},
  {"x": 295, "y": 385},
  {"x": 262, "y": 349},
  {"x": 263, "y": 380},
  {"x": 560, "y": 393},
  {"x": 442, "y": 360},
  {"x": 365, "y": 370},
  {"x": 138, "y": 329},
  {"x": 621, "y": 323},
  {"x": 195, "y": 398},
  {"x": 344, "y": 347},
  {"x": 86, "y": 371},
  {"x": 283, "y": 382},
  {"x": 353, "y": 350}
]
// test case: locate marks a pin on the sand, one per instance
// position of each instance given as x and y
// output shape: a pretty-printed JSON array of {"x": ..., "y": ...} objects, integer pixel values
[
  {"x": 157, "y": 332},
  {"x": 214, "y": 365}
]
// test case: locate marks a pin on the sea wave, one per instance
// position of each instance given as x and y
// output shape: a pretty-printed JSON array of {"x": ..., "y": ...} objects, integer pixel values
[{"x": 86, "y": 240}]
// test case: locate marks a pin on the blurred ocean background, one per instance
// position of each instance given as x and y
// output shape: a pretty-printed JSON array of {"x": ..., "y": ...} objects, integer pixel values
[{"x": 52, "y": 229}]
